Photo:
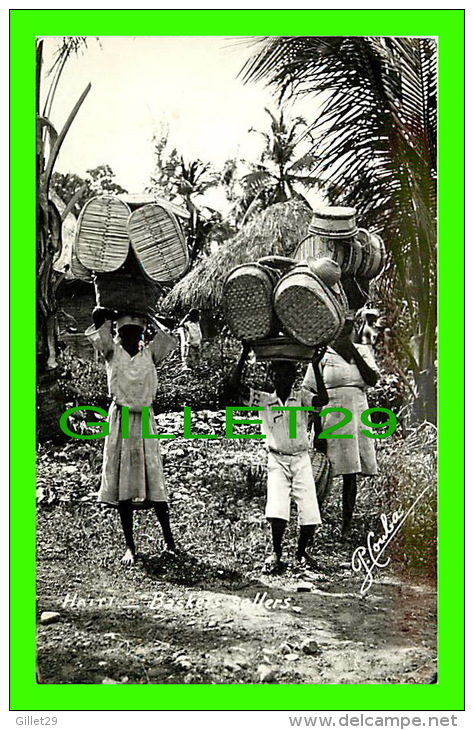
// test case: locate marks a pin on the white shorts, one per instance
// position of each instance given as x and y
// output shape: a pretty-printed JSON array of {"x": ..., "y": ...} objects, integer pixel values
[{"x": 290, "y": 477}]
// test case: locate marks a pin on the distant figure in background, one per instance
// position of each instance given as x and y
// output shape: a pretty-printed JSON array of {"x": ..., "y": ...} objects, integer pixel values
[
  {"x": 132, "y": 470},
  {"x": 191, "y": 339},
  {"x": 347, "y": 369},
  {"x": 369, "y": 330}
]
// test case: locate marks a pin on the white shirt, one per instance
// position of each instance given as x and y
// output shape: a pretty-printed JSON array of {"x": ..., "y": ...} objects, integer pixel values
[{"x": 276, "y": 424}]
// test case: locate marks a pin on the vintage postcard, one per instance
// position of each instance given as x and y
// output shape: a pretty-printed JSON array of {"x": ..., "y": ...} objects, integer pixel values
[{"x": 238, "y": 339}]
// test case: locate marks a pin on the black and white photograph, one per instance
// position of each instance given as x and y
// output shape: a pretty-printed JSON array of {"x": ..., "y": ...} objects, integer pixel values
[{"x": 236, "y": 348}]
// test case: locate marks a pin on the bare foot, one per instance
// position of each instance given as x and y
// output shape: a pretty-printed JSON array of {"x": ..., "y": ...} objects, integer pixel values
[{"x": 128, "y": 558}]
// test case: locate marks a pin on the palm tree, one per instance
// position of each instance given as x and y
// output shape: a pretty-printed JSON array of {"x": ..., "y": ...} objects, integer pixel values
[
  {"x": 280, "y": 173},
  {"x": 184, "y": 182},
  {"x": 375, "y": 132}
]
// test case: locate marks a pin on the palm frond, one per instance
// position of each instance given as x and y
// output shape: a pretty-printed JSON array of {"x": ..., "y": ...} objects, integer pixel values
[{"x": 374, "y": 130}]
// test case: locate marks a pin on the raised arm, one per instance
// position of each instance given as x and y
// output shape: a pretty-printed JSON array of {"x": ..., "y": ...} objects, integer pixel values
[
  {"x": 100, "y": 333},
  {"x": 314, "y": 381},
  {"x": 321, "y": 398},
  {"x": 235, "y": 380}
]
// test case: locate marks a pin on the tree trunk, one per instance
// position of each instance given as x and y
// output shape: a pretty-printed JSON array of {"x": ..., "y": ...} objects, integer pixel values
[
  {"x": 49, "y": 399},
  {"x": 426, "y": 403},
  {"x": 49, "y": 406}
]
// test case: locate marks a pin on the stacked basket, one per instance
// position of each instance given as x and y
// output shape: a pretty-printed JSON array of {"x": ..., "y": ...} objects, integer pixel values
[
  {"x": 285, "y": 308},
  {"x": 128, "y": 255},
  {"x": 333, "y": 234}
]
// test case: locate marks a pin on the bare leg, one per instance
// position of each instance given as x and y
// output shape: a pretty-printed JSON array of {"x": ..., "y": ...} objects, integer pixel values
[
  {"x": 278, "y": 529},
  {"x": 126, "y": 517},
  {"x": 163, "y": 514},
  {"x": 273, "y": 563},
  {"x": 305, "y": 538},
  {"x": 349, "y": 493}
]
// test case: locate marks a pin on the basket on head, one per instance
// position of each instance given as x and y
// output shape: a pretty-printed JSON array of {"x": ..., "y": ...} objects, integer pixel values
[
  {"x": 282, "y": 348},
  {"x": 308, "y": 309},
  {"x": 247, "y": 301},
  {"x": 102, "y": 241},
  {"x": 373, "y": 254},
  {"x": 158, "y": 242}
]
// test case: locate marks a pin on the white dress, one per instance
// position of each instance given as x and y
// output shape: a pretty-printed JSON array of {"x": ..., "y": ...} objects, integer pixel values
[
  {"x": 132, "y": 467},
  {"x": 346, "y": 389}
]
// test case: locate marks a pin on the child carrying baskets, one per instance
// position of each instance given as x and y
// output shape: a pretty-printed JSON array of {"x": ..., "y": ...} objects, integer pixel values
[
  {"x": 290, "y": 474},
  {"x": 132, "y": 471}
]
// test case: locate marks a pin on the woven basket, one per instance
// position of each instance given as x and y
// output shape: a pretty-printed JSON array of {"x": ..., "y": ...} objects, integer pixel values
[
  {"x": 338, "y": 296},
  {"x": 373, "y": 254},
  {"x": 101, "y": 234},
  {"x": 334, "y": 221},
  {"x": 282, "y": 348},
  {"x": 340, "y": 250},
  {"x": 321, "y": 467},
  {"x": 158, "y": 242},
  {"x": 328, "y": 270},
  {"x": 306, "y": 307},
  {"x": 77, "y": 269},
  {"x": 247, "y": 301}
]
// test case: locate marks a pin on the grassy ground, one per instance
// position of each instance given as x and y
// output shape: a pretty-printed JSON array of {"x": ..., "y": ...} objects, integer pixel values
[{"x": 204, "y": 617}]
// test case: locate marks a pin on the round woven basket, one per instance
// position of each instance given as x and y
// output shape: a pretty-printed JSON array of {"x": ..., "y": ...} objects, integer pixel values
[
  {"x": 334, "y": 221},
  {"x": 158, "y": 242},
  {"x": 381, "y": 255},
  {"x": 282, "y": 348},
  {"x": 247, "y": 301},
  {"x": 102, "y": 241},
  {"x": 321, "y": 468},
  {"x": 373, "y": 254},
  {"x": 340, "y": 250},
  {"x": 306, "y": 308},
  {"x": 328, "y": 270}
]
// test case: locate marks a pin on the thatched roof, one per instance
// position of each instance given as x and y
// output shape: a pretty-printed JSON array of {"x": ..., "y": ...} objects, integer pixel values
[{"x": 275, "y": 231}]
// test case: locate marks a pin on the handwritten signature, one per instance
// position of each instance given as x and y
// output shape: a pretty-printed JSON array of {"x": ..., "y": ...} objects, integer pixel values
[{"x": 367, "y": 558}]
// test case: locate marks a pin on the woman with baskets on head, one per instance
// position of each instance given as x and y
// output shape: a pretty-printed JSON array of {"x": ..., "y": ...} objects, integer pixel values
[
  {"x": 132, "y": 470},
  {"x": 347, "y": 369}
]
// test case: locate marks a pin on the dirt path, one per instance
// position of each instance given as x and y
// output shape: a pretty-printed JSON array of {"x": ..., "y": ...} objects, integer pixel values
[
  {"x": 141, "y": 625},
  {"x": 211, "y": 616}
]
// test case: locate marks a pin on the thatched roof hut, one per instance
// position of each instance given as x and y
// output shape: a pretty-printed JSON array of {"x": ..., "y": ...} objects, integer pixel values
[{"x": 275, "y": 231}]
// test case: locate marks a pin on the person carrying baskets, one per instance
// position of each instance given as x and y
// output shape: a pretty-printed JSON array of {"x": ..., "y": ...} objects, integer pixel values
[
  {"x": 347, "y": 369},
  {"x": 132, "y": 471},
  {"x": 290, "y": 474}
]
